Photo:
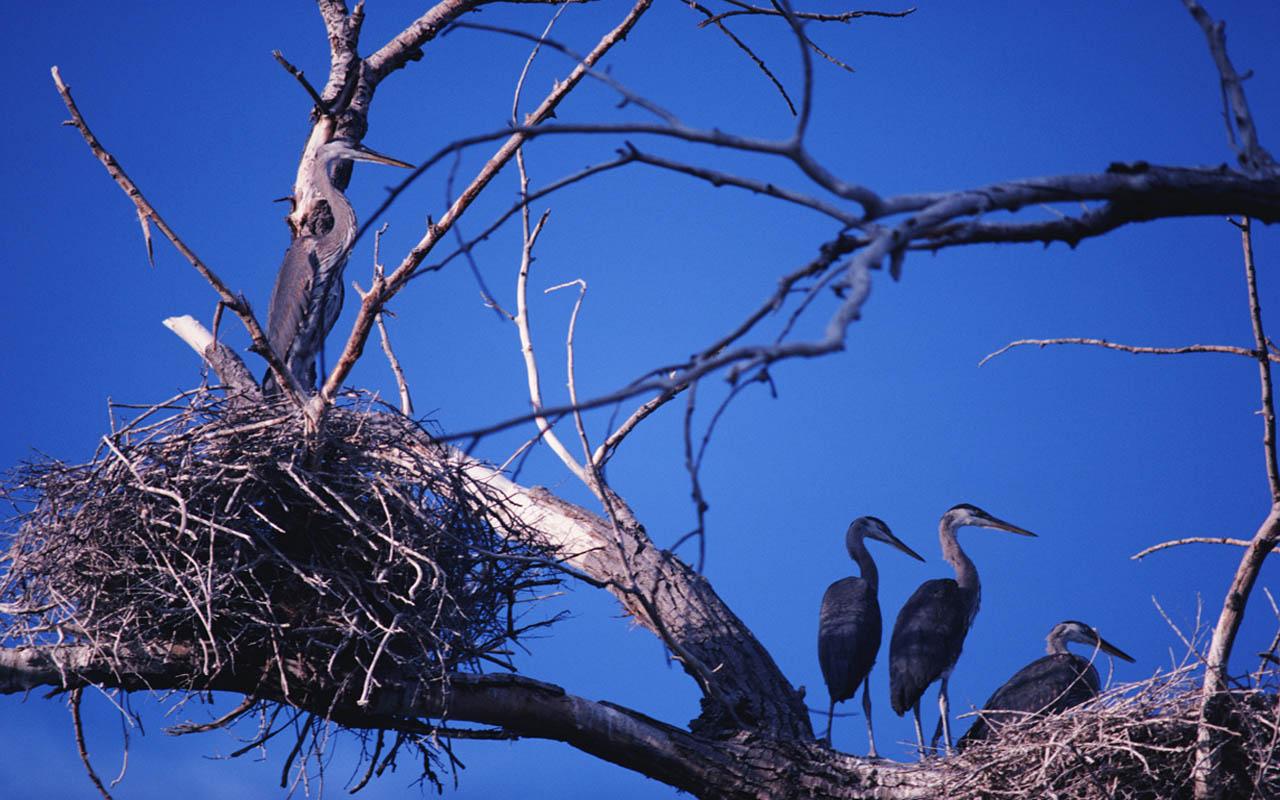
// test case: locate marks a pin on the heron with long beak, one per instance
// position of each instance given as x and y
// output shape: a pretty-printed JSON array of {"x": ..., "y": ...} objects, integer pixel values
[
  {"x": 849, "y": 623},
  {"x": 308, "y": 292},
  {"x": 931, "y": 627},
  {"x": 1049, "y": 685}
]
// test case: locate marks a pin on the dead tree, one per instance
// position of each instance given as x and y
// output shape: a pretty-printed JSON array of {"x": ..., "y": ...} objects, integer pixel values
[{"x": 753, "y": 737}]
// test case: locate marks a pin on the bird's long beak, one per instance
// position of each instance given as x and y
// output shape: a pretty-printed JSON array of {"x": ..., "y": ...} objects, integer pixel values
[
  {"x": 999, "y": 524},
  {"x": 899, "y": 544},
  {"x": 362, "y": 153},
  {"x": 1108, "y": 647}
]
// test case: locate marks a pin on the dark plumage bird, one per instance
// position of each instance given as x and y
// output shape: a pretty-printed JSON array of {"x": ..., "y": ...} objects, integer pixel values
[
  {"x": 849, "y": 623},
  {"x": 1048, "y": 685},
  {"x": 308, "y": 292},
  {"x": 931, "y": 627}
]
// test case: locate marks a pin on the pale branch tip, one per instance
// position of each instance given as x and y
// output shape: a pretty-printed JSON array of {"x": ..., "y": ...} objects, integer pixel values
[
  {"x": 1155, "y": 548},
  {"x": 1126, "y": 348}
]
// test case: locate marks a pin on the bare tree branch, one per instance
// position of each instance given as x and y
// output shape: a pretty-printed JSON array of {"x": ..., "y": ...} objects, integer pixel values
[
  {"x": 1207, "y": 772},
  {"x": 224, "y": 361},
  {"x": 77, "y": 695},
  {"x": 843, "y": 16},
  {"x": 381, "y": 291},
  {"x": 1128, "y": 348},
  {"x": 301, "y": 78},
  {"x": 531, "y": 708},
  {"x": 1253, "y": 156},
  {"x": 1262, "y": 354},
  {"x": 1155, "y": 548},
  {"x": 237, "y": 303}
]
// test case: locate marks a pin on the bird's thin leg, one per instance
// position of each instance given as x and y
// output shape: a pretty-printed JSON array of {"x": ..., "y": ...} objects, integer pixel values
[
  {"x": 944, "y": 708},
  {"x": 831, "y": 714},
  {"x": 915, "y": 710},
  {"x": 866, "y": 712},
  {"x": 937, "y": 734}
]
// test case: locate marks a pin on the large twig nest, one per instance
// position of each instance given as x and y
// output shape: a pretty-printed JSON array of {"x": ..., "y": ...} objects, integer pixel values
[
  {"x": 334, "y": 561},
  {"x": 1136, "y": 741}
]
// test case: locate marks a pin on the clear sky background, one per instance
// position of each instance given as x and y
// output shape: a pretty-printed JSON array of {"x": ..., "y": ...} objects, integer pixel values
[{"x": 1102, "y": 454}]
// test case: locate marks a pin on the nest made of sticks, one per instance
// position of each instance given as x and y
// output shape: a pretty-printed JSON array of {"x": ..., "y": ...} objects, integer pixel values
[
  {"x": 327, "y": 561},
  {"x": 1136, "y": 741}
]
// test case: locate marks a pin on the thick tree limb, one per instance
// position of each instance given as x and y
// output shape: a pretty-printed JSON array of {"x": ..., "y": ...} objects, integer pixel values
[
  {"x": 690, "y": 612},
  {"x": 745, "y": 767}
]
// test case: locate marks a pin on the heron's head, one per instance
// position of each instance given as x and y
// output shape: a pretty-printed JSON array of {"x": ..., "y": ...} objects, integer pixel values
[
  {"x": 966, "y": 514},
  {"x": 1073, "y": 631},
  {"x": 336, "y": 149},
  {"x": 875, "y": 528}
]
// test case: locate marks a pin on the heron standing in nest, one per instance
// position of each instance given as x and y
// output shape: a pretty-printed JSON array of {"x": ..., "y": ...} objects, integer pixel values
[{"x": 308, "y": 292}]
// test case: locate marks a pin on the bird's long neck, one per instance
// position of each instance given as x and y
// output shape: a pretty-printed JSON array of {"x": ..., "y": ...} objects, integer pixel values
[
  {"x": 966, "y": 573},
  {"x": 866, "y": 565},
  {"x": 343, "y": 231}
]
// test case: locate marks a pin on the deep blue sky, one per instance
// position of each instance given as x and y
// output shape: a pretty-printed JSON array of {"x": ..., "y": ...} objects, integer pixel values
[{"x": 1100, "y": 453}]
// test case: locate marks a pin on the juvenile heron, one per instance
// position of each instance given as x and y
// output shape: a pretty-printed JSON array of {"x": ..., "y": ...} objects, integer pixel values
[
  {"x": 1048, "y": 685},
  {"x": 849, "y": 623},
  {"x": 929, "y": 633},
  {"x": 308, "y": 293}
]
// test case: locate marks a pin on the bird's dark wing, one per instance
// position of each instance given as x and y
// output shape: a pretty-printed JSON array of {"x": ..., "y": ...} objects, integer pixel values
[
  {"x": 1047, "y": 685},
  {"x": 291, "y": 296},
  {"x": 927, "y": 639},
  {"x": 849, "y": 629}
]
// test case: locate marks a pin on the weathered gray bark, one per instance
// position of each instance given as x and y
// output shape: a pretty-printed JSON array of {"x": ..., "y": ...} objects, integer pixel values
[{"x": 771, "y": 754}]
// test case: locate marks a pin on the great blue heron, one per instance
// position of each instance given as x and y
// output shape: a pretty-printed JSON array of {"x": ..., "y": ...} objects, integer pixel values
[
  {"x": 308, "y": 293},
  {"x": 849, "y": 623},
  {"x": 1048, "y": 685},
  {"x": 930, "y": 630}
]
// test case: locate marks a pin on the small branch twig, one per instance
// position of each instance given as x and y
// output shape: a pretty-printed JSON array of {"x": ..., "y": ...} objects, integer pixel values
[
  {"x": 321, "y": 106},
  {"x": 526, "y": 344},
  {"x": 843, "y": 16},
  {"x": 569, "y": 363},
  {"x": 244, "y": 707},
  {"x": 1128, "y": 348},
  {"x": 718, "y": 22},
  {"x": 402, "y": 384},
  {"x": 1262, "y": 354},
  {"x": 77, "y": 695},
  {"x": 1155, "y": 548}
]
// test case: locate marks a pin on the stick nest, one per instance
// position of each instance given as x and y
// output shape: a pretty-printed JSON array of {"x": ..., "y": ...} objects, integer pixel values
[
  {"x": 229, "y": 537},
  {"x": 1136, "y": 741}
]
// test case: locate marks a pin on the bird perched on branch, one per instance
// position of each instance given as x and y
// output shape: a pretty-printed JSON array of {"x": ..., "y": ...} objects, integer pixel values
[
  {"x": 849, "y": 624},
  {"x": 308, "y": 292},
  {"x": 931, "y": 627},
  {"x": 1049, "y": 685}
]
